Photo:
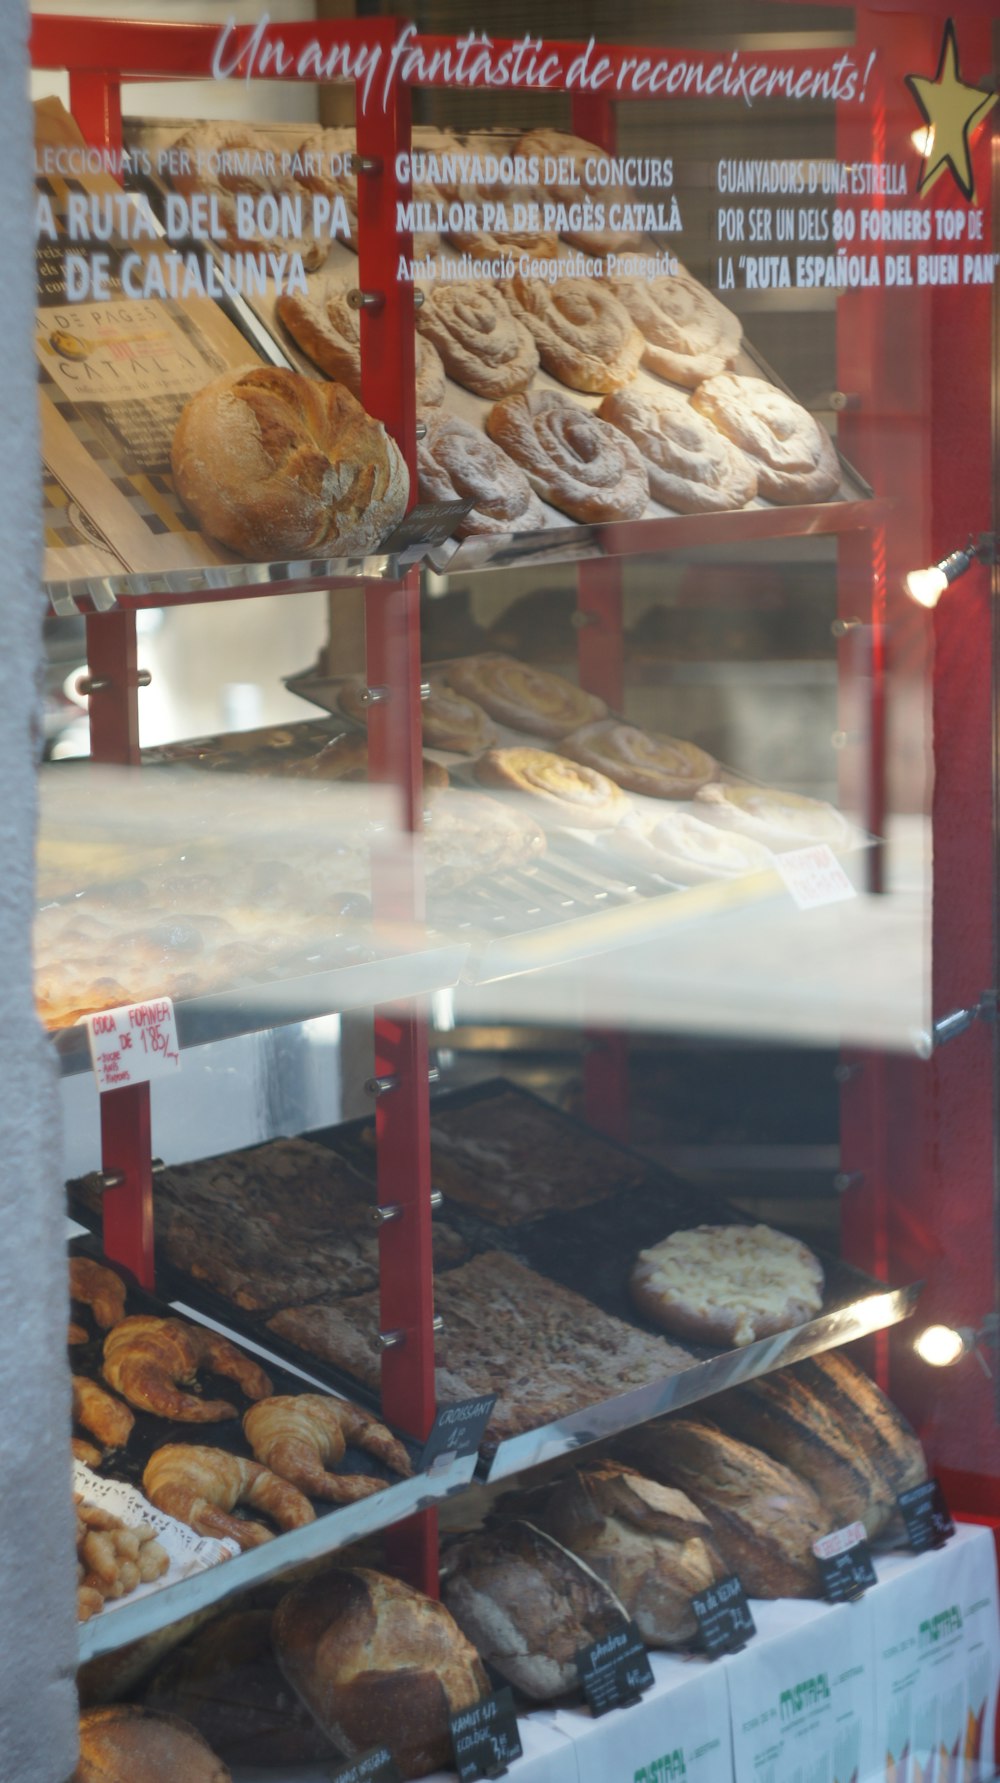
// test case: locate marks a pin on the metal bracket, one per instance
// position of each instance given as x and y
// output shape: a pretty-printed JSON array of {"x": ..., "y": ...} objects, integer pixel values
[
  {"x": 391, "y": 1340},
  {"x": 848, "y": 1179},
  {"x": 380, "y": 1086},
  {"x": 108, "y": 1179},
  {"x": 383, "y": 1216},
  {"x": 365, "y": 300},
  {"x": 364, "y": 164},
  {"x": 959, "y": 1021},
  {"x": 841, "y": 627}
]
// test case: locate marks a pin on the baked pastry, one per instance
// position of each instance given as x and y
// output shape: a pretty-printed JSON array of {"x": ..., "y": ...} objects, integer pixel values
[
  {"x": 876, "y": 1427},
  {"x": 202, "y": 1487},
  {"x": 468, "y": 836},
  {"x": 764, "y": 1519},
  {"x": 450, "y": 721},
  {"x": 641, "y": 761},
  {"x": 544, "y": 1350},
  {"x": 113, "y": 1558},
  {"x": 649, "y": 1542},
  {"x": 101, "y": 1413},
  {"x": 692, "y": 467},
  {"x": 458, "y": 462},
  {"x": 224, "y": 160},
  {"x": 526, "y": 699},
  {"x": 145, "y": 1358},
  {"x": 559, "y": 790},
  {"x": 483, "y": 345},
  {"x": 225, "y": 1682},
  {"x": 588, "y": 470},
  {"x": 275, "y": 464},
  {"x": 126, "y": 1744},
  {"x": 302, "y": 1436},
  {"x": 689, "y": 335},
  {"x": 778, "y": 819},
  {"x": 376, "y": 1663},
  {"x": 528, "y": 1605},
  {"x": 793, "y": 455},
  {"x": 727, "y": 1284},
  {"x": 688, "y": 851},
  {"x": 584, "y": 336},
  {"x": 783, "y": 1415},
  {"x": 346, "y": 757},
  {"x": 323, "y": 324},
  {"x": 484, "y": 161},
  {"x": 100, "y": 1288},
  {"x": 590, "y": 185}
]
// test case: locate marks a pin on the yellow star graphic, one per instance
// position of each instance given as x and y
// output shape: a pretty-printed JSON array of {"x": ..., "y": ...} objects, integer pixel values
[{"x": 950, "y": 110}]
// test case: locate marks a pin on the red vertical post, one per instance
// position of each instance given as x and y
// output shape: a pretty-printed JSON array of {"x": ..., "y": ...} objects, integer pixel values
[{"x": 392, "y": 647}]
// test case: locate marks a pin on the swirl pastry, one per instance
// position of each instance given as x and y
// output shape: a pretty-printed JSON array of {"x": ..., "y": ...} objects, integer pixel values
[
  {"x": 585, "y": 188},
  {"x": 467, "y": 836},
  {"x": 692, "y": 467},
  {"x": 481, "y": 342},
  {"x": 778, "y": 819},
  {"x": 277, "y": 465},
  {"x": 488, "y": 187},
  {"x": 641, "y": 761},
  {"x": 689, "y": 334},
  {"x": 526, "y": 699},
  {"x": 793, "y": 455},
  {"x": 450, "y": 721},
  {"x": 326, "y": 328},
  {"x": 561, "y": 790},
  {"x": 584, "y": 336},
  {"x": 203, "y": 143},
  {"x": 346, "y": 757},
  {"x": 688, "y": 851},
  {"x": 328, "y": 152},
  {"x": 574, "y": 460},
  {"x": 456, "y": 461}
]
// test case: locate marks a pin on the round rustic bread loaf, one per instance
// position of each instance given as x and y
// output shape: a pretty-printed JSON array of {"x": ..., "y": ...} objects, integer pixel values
[
  {"x": 124, "y": 1744},
  {"x": 274, "y": 464},
  {"x": 377, "y": 1663}
]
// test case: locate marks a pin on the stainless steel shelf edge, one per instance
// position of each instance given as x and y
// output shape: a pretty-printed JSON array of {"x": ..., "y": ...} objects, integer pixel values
[
  {"x": 259, "y": 1007},
  {"x": 128, "y": 1622},
  {"x": 596, "y": 1423}
]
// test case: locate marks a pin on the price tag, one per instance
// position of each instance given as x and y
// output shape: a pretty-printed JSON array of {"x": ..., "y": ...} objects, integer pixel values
[
  {"x": 845, "y": 1564},
  {"x": 457, "y": 1430},
  {"x": 377, "y": 1765},
  {"x": 614, "y": 1671},
  {"x": 484, "y": 1738},
  {"x": 429, "y": 523},
  {"x": 725, "y": 1622},
  {"x": 814, "y": 876},
  {"x": 927, "y": 1517},
  {"x": 133, "y": 1044}
]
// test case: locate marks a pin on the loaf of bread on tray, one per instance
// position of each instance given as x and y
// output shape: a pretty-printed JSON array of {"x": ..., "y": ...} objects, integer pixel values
[
  {"x": 764, "y": 1519},
  {"x": 528, "y": 1605},
  {"x": 376, "y": 1663},
  {"x": 878, "y": 1430},
  {"x": 649, "y": 1542},
  {"x": 123, "y": 1744}
]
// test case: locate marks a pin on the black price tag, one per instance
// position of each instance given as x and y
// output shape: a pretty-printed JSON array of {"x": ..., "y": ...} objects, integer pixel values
[
  {"x": 725, "y": 1622},
  {"x": 484, "y": 1738},
  {"x": 377, "y": 1765},
  {"x": 429, "y": 523},
  {"x": 845, "y": 1564},
  {"x": 614, "y": 1671},
  {"x": 457, "y": 1430},
  {"x": 926, "y": 1515}
]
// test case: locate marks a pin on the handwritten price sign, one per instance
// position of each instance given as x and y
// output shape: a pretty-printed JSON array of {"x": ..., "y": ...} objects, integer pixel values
[
  {"x": 133, "y": 1044},
  {"x": 814, "y": 876}
]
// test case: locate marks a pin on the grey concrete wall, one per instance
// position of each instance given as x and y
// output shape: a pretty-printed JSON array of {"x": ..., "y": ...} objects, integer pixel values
[{"x": 37, "y": 1562}]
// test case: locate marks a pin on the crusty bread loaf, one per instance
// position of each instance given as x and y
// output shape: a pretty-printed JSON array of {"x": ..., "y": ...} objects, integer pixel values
[
  {"x": 793, "y": 1422},
  {"x": 377, "y": 1663},
  {"x": 275, "y": 464},
  {"x": 123, "y": 1744},
  {"x": 529, "y": 1605},
  {"x": 649, "y": 1542},
  {"x": 878, "y": 1429},
  {"x": 764, "y": 1520}
]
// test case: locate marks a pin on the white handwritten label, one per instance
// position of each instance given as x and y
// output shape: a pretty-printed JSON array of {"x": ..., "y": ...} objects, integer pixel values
[
  {"x": 814, "y": 876},
  {"x": 133, "y": 1044}
]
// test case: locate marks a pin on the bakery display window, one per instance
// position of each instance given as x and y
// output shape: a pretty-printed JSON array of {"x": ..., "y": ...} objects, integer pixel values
[{"x": 518, "y": 944}]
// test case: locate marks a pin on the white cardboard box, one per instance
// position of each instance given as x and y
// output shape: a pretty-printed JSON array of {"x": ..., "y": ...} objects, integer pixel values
[
  {"x": 801, "y": 1695},
  {"x": 677, "y": 1733}
]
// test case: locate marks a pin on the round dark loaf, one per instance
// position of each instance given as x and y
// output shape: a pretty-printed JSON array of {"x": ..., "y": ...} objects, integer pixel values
[{"x": 123, "y": 1744}]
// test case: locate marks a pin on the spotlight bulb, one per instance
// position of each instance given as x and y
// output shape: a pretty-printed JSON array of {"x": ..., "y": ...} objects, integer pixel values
[
  {"x": 941, "y": 1345},
  {"x": 926, "y": 586}
]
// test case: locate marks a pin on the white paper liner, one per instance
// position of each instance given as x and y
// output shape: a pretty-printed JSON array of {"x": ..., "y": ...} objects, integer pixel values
[{"x": 189, "y": 1553}]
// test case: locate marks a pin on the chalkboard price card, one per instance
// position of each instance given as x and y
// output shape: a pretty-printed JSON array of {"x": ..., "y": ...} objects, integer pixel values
[
  {"x": 457, "y": 1430},
  {"x": 927, "y": 1517},
  {"x": 725, "y": 1622},
  {"x": 484, "y": 1738},
  {"x": 377, "y": 1765},
  {"x": 615, "y": 1670},
  {"x": 845, "y": 1564}
]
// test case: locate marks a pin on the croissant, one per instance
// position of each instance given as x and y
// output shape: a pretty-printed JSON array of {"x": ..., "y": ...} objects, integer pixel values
[
  {"x": 99, "y": 1288},
  {"x": 86, "y": 1452},
  {"x": 104, "y": 1416},
  {"x": 145, "y": 1357},
  {"x": 76, "y": 1334},
  {"x": 302, "y": 1435},
  {"x": 202, "y": 1486}
]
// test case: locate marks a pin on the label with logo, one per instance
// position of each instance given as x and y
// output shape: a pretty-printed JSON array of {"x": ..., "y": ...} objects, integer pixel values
[
  {"x": 926, "y": 1515},
  {"x": 457, "y": 1430},
  {"x": 725, "y": 1621},
  {"x": 485, "y": 1739},
  {"x": 615, "y": 1670},
  {"x": 845, "y": 1564},
  {"x": 133, "y": 1044}
]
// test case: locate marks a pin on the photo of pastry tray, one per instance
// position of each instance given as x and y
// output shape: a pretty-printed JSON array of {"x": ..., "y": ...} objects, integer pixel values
[
  {"x": 590, "y": 1251},
  {"x": 336, "y": 1526}
]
